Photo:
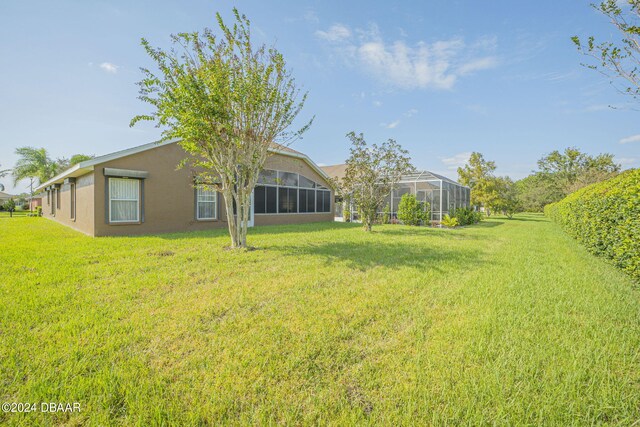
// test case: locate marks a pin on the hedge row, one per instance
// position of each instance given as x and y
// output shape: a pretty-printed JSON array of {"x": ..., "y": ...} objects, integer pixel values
[{"x": 605, "y": 217}]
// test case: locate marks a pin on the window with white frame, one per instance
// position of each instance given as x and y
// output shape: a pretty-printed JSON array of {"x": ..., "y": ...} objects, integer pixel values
[
  {"x": 206, "y": 206},
  {"x": 124, "y": 200}
]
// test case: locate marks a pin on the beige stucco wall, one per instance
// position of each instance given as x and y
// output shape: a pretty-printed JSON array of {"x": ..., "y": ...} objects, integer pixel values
[{"x": 84, "y": 218}]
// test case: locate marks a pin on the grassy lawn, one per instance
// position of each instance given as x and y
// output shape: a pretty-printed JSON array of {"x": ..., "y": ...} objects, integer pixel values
[
  {"x": 506, "y": 322},
  {"x": 16, "y": 214}
]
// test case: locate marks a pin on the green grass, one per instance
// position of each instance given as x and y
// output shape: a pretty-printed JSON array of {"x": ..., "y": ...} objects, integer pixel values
[
  {"x": 506, "y": 322},
  {"x": 15, "y": 214}
]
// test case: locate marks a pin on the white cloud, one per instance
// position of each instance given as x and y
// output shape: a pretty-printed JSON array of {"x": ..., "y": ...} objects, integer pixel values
[
  {"x": 477, "y": 65},
  {"x": 410, "y": 113},
  {"x": 436, "y": 65},
  {"x": 457, "y": 160},
  {"x": 632, "y": 138},
  {"x": 478, "y": 109},
  {"x": 377, "y": 103},
  {"x": 391, "y": 125},
  {"x": 488, "y": 43},
  {"x": 311, "y": 16},
  {"x": 335, "y": 33},
  {"x": 597, "y": 107},
  {"x": 626, "y": 161},
  {"x": 109, "y": 67}
]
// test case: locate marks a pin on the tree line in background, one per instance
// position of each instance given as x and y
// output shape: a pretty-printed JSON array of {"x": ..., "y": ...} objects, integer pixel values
[{"x": 559, "y": 174}]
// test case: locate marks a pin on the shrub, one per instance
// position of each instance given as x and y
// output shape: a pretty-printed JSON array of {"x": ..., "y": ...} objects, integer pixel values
[
  {"x": 9, "y": 205},
  {"x": 346, "y": 214},
  {"x": 466, "y": 216},
  {"x": 25, "y": 206},
  {"x": 410, "y": 210},
  {"x": 386, "y": 214},
  {"x": 605, "y": 218},
  {"x": 39, "y": 210},
  {"x": 449, "y": 221},
  {"x": 425, "y": 213}
]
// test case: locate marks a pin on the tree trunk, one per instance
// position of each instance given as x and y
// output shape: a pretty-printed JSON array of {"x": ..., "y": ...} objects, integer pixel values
[
  {"x": 231, "y": 220},
  {"x": 31, "y": 196},
  {"x": 238, "y": 221},
  {"x": 368, "y": 222},
  {"x": 244, "y": 218}
]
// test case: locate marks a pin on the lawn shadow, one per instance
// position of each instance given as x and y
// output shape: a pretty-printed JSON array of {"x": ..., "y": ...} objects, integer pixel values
[
  {"x": 310, "y": 227},
  {"x": 365, "y": 255},
  {"x": 445, "y": 233},
  {"x": 530, "y": 218},
  {"x": 489, "y": 224}
]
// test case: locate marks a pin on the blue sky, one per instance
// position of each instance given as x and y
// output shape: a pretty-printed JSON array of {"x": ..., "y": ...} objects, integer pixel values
[{"x": 443, "y": 78}]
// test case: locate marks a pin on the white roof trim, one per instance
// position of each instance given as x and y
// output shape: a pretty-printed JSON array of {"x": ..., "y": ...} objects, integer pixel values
[{"x": 89, "y": 165}]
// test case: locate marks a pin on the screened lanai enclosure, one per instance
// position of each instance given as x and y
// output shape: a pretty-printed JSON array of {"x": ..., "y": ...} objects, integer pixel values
[{"x": 443, "y": 195}]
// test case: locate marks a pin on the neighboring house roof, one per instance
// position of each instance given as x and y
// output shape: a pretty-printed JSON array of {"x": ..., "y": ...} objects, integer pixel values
[
  {"x": 4, "y": 195},
  {"x": 335, "y": 171},
  {"x": 88, "y": 165},
  {"x": 339, "y": 171}
]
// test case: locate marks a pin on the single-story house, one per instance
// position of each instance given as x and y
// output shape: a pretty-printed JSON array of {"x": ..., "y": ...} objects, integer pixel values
[
  {"x": 141, "y": 191},
  {"x": 5, "y": 196},
  {"x": 35, "y": 202}
]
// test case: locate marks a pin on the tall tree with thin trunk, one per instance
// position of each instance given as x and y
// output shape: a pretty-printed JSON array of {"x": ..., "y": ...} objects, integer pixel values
[
  {"x": 371, "y": 174},
  {"x": 477, "y": 174},
  {"x": 618, "y": 60},
  {"x": 226, "y": 102}
]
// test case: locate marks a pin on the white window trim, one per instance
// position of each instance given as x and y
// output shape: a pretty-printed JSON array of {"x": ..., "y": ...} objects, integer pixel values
[
  {"x": 214, "y": 202},
  {"x": 137, "y": 200}
]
